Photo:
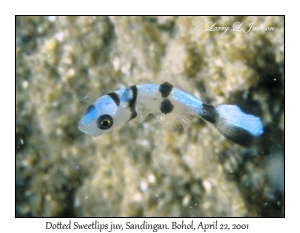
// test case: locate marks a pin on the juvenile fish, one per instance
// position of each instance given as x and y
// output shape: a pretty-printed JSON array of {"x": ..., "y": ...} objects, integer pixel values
[{"x": 125, "y": 104}]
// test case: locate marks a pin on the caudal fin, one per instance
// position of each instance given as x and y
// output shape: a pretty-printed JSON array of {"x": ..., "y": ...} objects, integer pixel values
[{"x": 238, "y": 126}]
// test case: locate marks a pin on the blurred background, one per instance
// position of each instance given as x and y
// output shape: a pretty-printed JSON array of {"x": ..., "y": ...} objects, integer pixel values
[{"x": 143, "y": 169}]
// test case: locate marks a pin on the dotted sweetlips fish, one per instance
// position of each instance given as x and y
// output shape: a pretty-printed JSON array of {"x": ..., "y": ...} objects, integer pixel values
[{"x": 123, "y": 105}]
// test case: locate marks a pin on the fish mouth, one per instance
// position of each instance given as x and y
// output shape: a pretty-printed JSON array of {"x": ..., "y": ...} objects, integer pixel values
[{"x": 82, "y": 128}]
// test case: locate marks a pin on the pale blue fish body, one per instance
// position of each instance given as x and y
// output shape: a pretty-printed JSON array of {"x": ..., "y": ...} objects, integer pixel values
[{"x": 118, "y": 107}]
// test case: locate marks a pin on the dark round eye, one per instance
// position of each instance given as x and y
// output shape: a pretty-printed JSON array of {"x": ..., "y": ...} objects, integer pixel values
[{"x": 105, "y": 122}]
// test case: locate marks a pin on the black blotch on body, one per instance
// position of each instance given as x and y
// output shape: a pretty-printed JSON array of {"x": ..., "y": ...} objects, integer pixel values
[
  {"x": 210, "y": 113},
  {"x": 238, "y": 135},
  {"x": 165, "y": 89},
  {"x": 132, "y": 102},
  {"x": 251, "y": 109},
  {"x": 115, "y": 98},
  {"x": 90, "y": 108},
  {"x": 166, "y": 106}
]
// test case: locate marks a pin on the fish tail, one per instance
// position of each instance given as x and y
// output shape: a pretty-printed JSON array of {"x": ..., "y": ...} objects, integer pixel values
[{"x": 234, "y": 123}]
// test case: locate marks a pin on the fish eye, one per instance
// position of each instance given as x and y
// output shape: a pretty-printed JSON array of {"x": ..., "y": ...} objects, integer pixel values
[{"x": 105, "y": 122}]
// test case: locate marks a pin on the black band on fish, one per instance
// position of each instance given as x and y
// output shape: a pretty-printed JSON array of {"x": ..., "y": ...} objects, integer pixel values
[
  {"x": 251, "y": 109},
  {"x": 90, "y": 108},
  {"x": 131, "y": 104},
  {"x": 209, "y": 113},
  {"x": 115, "y": 98},
  {"x": 166, "y": 106},
  {"x": 237, "y": 135},
  {"x": 165, "y": 89}
]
